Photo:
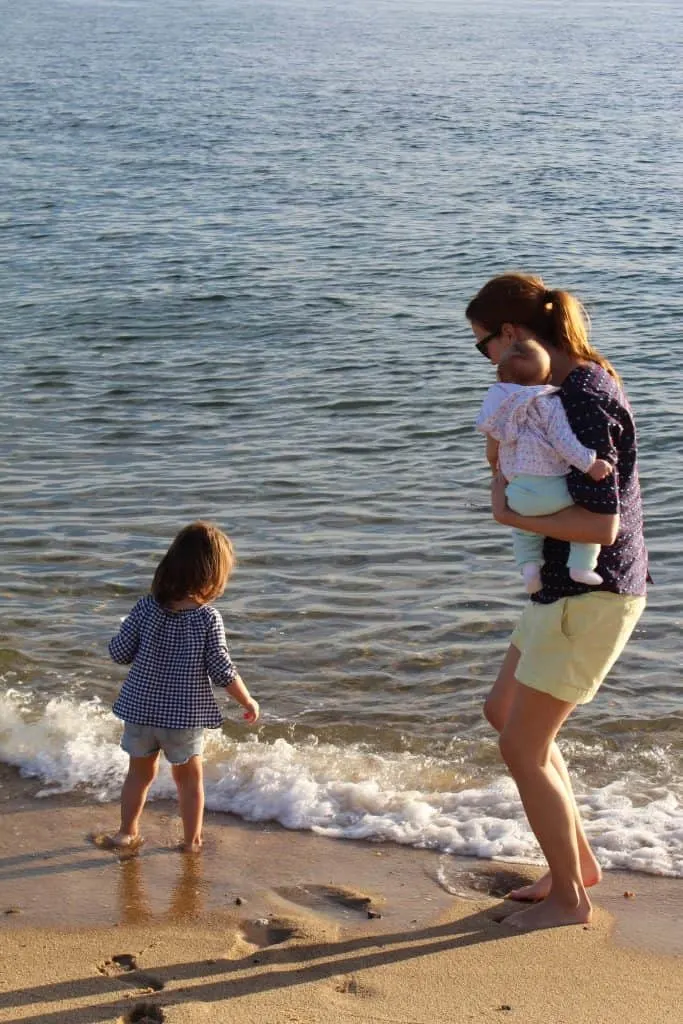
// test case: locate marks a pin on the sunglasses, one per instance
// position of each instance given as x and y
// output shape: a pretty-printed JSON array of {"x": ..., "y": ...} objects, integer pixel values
[{"x": 482, "y": 346}]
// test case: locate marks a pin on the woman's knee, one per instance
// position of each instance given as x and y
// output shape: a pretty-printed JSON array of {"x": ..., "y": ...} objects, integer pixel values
[
  {"x": 516, "y": 751},
  {"x": 495, "y": 713},
  {"x": 499, "y": 701}
]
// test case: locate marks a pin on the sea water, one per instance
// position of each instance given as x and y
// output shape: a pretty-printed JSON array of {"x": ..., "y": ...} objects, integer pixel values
[{"x": 238, "y": 239}]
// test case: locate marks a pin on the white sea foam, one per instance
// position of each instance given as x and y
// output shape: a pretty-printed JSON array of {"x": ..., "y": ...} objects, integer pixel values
[{"x": 346, "y": 792}]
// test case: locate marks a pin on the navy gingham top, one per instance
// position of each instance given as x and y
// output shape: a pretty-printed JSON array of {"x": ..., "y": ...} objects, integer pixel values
[
  {"x": 600, "y": 416},
  {"x": 175, "y": 657}
]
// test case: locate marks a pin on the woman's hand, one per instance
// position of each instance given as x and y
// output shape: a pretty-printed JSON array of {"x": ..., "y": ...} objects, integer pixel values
[{"x": 499, "y": 505}]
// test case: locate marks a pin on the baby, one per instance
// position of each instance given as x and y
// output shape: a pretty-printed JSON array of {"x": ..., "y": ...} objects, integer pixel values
[{"x": 529, "y": 439}]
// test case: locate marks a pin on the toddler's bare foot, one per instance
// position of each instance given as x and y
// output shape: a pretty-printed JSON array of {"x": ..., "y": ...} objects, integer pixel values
[
  {"x": 120, "y": 841},
  {"x": 193, "y": 847},
  {"x": 551, "y": 913},
  {"x": 540, "y": 889}
]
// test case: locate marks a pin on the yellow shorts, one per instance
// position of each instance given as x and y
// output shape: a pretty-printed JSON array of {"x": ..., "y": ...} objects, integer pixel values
[{"x": 568, "y": 647}]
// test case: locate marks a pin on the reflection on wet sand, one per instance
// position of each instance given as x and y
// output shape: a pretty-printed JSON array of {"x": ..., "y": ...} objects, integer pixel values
[{"x": 186, "y": 900}]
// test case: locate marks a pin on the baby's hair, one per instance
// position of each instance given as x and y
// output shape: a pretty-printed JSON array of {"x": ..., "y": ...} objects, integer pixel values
[
  {"x": 524, "y": 362},
  {"x": 198, "y": 565}
]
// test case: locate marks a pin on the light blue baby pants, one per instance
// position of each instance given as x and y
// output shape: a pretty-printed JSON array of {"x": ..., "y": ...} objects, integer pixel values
[{"x": 541, "y": 496}]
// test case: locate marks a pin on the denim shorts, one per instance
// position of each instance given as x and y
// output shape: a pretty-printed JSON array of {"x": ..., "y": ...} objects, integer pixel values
[{"x": 179, "y": 745}]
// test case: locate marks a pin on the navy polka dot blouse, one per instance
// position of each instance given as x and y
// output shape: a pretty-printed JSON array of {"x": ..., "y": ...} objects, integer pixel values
[{"x": 600, "y": 416}]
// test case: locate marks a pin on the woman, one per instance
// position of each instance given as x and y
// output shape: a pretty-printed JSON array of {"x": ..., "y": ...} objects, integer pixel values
[{"x": 569, "y": 635}]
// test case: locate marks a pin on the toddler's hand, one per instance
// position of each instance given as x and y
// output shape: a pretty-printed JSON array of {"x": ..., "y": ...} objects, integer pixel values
[
  {"x": 251, "y": 711},
  {"x": 600, "y": 469}
]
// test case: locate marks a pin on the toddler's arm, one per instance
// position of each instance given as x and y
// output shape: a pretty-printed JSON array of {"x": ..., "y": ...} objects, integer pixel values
[
  {"x": 240, "y": 693},
  {"x": 222, "y": 670},
  {"x": 124, "y": 646}
]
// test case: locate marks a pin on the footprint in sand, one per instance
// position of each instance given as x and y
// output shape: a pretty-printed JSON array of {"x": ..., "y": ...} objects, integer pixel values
[
  {"x": 125, "y": 967},
  {"x": 349, "y": 985},
  {"x": 267, "y": 931},
  {"x": 471, "y": 883},
  {"x": 330, "y": 899},
  {"x": 144, "y": 1013}
]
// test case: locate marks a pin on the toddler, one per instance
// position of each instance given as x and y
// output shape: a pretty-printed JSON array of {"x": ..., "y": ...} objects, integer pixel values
[
  {"x": 529, "y": 439},
  {"x": 174, "y": 641}
]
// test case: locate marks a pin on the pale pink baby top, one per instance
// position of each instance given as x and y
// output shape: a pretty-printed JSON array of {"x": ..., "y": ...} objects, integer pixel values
[{"x": 532, "y": 427}]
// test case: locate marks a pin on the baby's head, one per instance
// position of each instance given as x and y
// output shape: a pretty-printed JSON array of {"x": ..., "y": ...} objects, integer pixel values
[{"x": 524, "y": 362}]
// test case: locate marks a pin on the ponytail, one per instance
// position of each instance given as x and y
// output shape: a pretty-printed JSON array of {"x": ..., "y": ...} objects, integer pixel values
[
  {"x": 555, "y": 317},
  {"x": 571, "y": 329}
]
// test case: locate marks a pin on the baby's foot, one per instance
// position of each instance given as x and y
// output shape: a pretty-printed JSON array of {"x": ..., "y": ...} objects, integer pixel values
[
  {"x": 531, "y": 574},
  {"x": 587, "y": 576}
]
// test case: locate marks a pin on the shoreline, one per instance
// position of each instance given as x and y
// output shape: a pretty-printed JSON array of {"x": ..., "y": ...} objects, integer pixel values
[
  {"x": 271, "y": 925},
  {"x": 49, "y": 840}
]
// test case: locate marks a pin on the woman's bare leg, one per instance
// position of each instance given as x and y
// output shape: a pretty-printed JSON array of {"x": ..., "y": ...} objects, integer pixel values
[
  {"x": 591, "y": 872},
  {"x": 497, "y": 710},
  {"x": 189, "y": 780},
  {"x": 534, "y": 720}
]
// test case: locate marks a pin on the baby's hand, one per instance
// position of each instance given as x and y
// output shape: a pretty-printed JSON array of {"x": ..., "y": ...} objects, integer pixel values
[
  {"x": 600, "y": 469},
  {"x": 251, "y": 711}
]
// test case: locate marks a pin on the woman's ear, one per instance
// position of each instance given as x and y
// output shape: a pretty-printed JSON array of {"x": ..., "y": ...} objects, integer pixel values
[{"x": 508, "y": 333}]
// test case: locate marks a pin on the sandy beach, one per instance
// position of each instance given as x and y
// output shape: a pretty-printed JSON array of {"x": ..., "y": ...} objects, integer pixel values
[{"x": 275, "y": 926}]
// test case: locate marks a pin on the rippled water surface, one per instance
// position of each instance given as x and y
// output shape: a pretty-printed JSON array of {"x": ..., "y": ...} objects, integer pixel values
[{"x": 237, "y": 243}]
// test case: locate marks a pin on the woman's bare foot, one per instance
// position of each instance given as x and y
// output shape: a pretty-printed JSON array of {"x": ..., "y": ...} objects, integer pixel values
[
  {"x": 550, "y": 914},
  {"x": 539, "y": 890}
]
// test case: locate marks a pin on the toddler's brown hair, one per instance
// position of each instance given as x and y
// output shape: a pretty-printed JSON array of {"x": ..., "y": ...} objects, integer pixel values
[{"x": 197, "y": 565}]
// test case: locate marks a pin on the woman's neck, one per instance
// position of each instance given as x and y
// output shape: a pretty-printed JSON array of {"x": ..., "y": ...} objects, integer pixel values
[{"x": 561, "y": 365}]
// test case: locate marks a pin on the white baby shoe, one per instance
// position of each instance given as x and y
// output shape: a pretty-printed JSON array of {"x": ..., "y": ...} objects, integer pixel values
[{"x": 587, "y": 576}]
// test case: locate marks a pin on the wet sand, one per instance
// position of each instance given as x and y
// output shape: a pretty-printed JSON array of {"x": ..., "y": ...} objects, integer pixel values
[{"x": 270, "y": 925}]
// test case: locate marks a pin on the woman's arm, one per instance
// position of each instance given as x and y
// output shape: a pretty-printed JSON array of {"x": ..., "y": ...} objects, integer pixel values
[
  {"x": 492, "y": 447},
  {"x": 570, "y": 524}
]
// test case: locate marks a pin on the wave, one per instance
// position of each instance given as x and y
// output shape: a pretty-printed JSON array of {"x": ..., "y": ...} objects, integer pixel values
[{"x": 349, "y": 792}]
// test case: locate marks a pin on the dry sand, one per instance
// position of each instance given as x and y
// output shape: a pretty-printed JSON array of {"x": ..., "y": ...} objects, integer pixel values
[{"x": 273, "y": 926}]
